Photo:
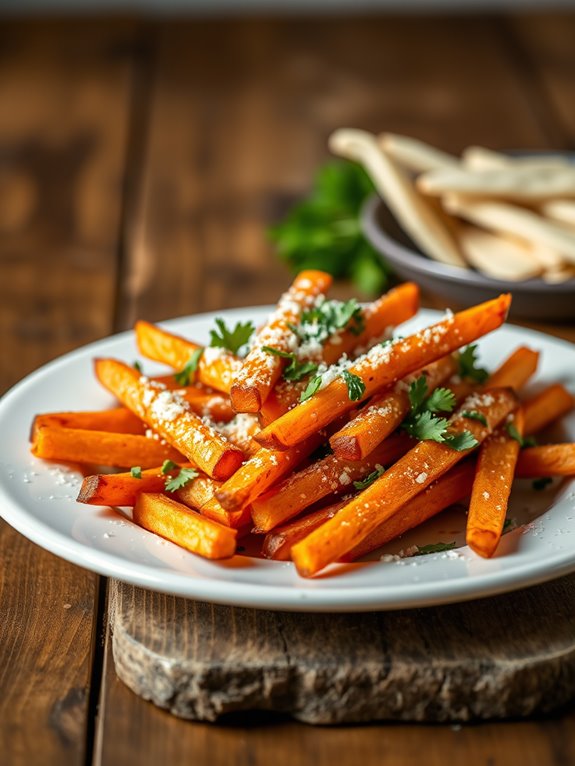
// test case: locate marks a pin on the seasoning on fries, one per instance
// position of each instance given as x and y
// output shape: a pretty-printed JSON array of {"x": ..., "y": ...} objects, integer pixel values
[{"x": 326, "y": 433}]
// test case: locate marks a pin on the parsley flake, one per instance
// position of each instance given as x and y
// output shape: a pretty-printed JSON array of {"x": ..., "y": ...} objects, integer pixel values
[
  {"x": 475, "y": 415},
  {"x": 181, "y": 479},
  {"x": 295, "y": 370},
  {"x": 187, "y": 374},
  {"x": 137, "y": 366},
  {"x": 370, "y": 478},
  {"x": 136, "y": 472},
  {"x": 355, "y": 385},
  {"x": 440, "y": 547},
  {"x": 524, "y": 441},
  {"x": 168, "y": 465},
  {"x": 327, "y": 318},
  {"x": 231, "y": 340},
  {"x": 311, "y": 388},
  {"x": 468, "y": 367}
]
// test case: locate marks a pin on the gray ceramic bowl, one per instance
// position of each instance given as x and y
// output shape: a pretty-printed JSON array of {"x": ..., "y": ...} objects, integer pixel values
[{"x": 532, "y": 299}]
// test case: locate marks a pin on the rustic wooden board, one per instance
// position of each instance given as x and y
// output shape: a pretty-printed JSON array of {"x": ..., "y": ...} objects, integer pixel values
[{"x": 454, "y": 663}]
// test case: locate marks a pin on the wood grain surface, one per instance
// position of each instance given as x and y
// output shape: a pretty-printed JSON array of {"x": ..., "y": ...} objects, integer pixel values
[{"x": 139, "y": 166}]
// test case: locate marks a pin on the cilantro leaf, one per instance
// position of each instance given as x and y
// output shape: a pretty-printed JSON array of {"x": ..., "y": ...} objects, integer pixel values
[
  {"x": 329, "y": 317},
  {"x": 355, "y": 385},
  {"x": 231, "y": 340},
  {"x": 426, "y": 427},
  {"x": 468, "y": 367},
  {"x": 323, "y": 231},
  {"x": 136, "y": 472},
  {"x": 461, "y": 441},
  {"x": 295, "y": 370},
  {"x": 541, "y": 483},
  {"x": 440, "y": 400},
  {"x": 137, "y": 365},
  {"x": 524, "y": 441},
  {"x": 370, "y": 478},
  {"x": 181, "y": 479},
  {"x": 529, "y": 441},
  {"x": 188, "y": 373},
  {"x": 168, "y": 465},
  {"x": 311, "y": 388},
  {"x": 417, "y": 393},
  {"x": 475, "y": 415},
  {"x": 422, "y": 550}
]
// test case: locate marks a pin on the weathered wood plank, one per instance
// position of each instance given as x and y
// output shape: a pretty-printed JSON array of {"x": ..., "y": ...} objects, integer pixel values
[{"x": 64, "y": 90}]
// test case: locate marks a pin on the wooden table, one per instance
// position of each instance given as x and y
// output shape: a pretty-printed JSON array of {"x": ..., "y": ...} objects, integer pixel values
[{"x": 139, "y": 166}]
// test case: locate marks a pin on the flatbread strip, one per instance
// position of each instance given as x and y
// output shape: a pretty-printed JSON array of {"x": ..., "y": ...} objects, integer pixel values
[{"x": 411, "y": 209}]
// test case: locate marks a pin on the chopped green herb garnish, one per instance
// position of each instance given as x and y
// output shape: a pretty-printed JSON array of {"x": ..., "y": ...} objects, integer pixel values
[
  {"x": 137, "y": 366},
  {"x": 231, "y": 340},
  {"x": 468, "y": 367},
  {"x": 370, "y": 478},
  {"x": 417, "y": 393},
  {"x": 541, "y": 483},
  {"x": 475, "y": 415},
  {"x": 136, "y": 472},
  {"x": 324, "y": 232},
  {"x": 355, "y": 385},
  {"x": 187, "y": 375},
  {"x": 441, "y": 400},
  {"x": 425, "y": 426},
  {"x": 461, "y": 441},
  {"x": 168, "y": 465},
  {"x": 524, "y": 441},
  {"x": 509, "y": 525},
  {"x": 181, "y": 479},
  {"x": 311, "y": 388},
  {"x": 295, "y": 370},
  {"x": 327, "y": 318},
  {"x": 423, "y": 550}
]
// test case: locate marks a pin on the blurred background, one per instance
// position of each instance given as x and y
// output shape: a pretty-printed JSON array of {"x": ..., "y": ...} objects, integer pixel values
[{"x": 147, "y": 147}]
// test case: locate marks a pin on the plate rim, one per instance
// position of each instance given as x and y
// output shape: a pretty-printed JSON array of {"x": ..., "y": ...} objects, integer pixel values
[{"x": 252, "y": 595}]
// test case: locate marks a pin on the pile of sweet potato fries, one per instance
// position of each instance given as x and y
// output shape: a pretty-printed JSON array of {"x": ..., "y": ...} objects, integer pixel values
[{"x": 328, "y": 436}]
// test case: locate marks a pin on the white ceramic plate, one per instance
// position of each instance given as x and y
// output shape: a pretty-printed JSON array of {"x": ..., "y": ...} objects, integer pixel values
[{"x": 38, "y": 499}]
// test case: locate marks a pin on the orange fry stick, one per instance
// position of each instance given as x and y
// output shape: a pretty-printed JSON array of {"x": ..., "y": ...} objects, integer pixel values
[
  {"x": 261, "y": 471},
  {"x": 119, "y": 488},
  {"x": 384, "y": 413},
  {"x": 548, "y": 460},
  {"x": 383, "y": 366},
  {"x": 409, "y": 476},
  {"x": 170, "y": 416},
  {"x": 215, "y": 366},
  {"x": 118, "y": 420},
  {"x": 491, "y": 488},
  {"x": 180, "y": 525},
  {"x": 516, "y": 370},
  {"x": 391, "y": 309},
  {"x": 77, "y": 445},
  {"x": 260, "y": 370},
  {"x": 451, "y": 488},
  {"x": 330, "y": 476},
  {"x": 549, "y": 405}
]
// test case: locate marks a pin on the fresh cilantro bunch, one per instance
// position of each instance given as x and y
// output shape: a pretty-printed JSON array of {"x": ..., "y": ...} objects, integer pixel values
[
  {"x": 423, "y": 424},
  {"x": 323, "y": 231}
]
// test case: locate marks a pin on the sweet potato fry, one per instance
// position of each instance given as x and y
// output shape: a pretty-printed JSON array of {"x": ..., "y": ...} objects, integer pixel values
[
  {"x": 215, "y": 367},
  {"x": 388, "y": 311},
  {"x": 170, "y": 416},
  {"x": 491, "y": 488},
  {"x": 549, "y": 405},
  {"x": 516, "y": 370},
  {"x": 259, "y": 372},
  {"x": 548, "y": 460},
  {"x": 382, "y": 367},
  {"x": 330, "y": 476},
  {"x": 384, "y": 413},
  {"x": 119, "y": 488},
  {"x": 177, "y": 523},
  {"x": 77, "y": 445},
  {"x": 261, "y": 471},
  {"x": 117, "y": 420},
  {"x": 409, "y": 476}
]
